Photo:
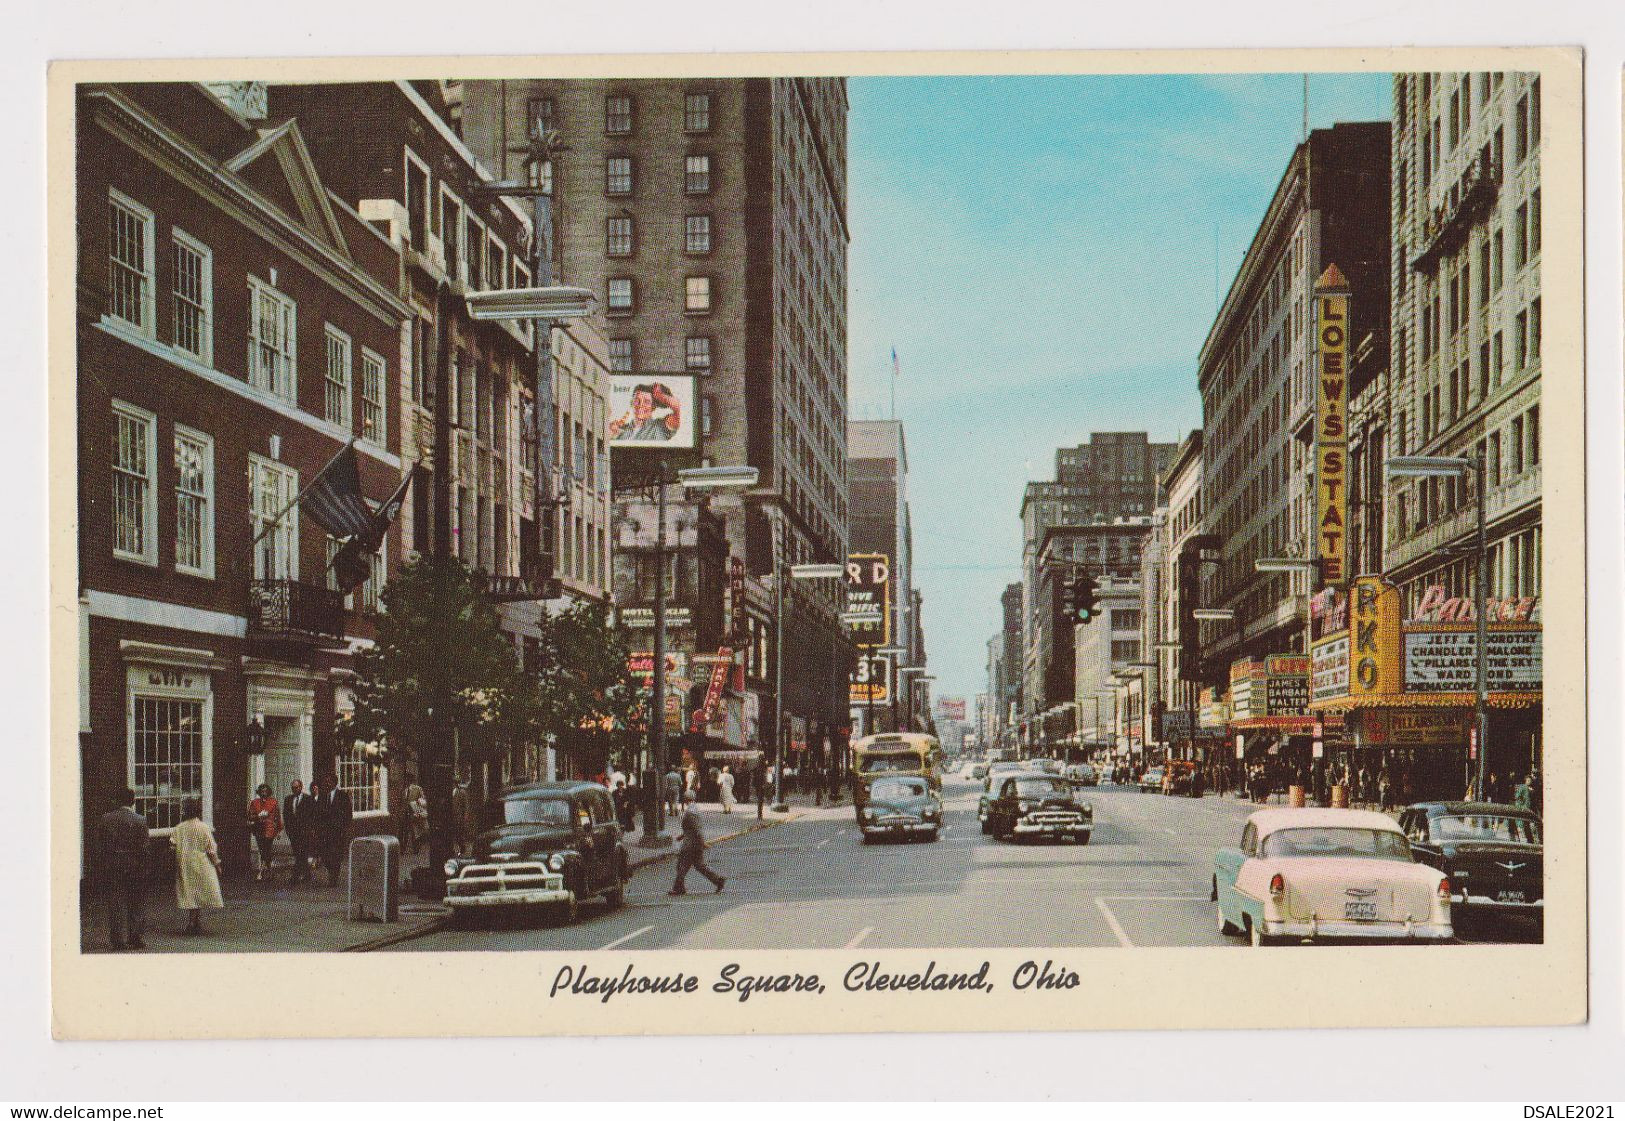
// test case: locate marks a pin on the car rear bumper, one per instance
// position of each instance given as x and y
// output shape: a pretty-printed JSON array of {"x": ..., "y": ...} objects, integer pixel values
[
  {"x": 1057, "y": 828},
  {"x": 1485, "y": 905},
  {"x": 1315, "y": 930}
]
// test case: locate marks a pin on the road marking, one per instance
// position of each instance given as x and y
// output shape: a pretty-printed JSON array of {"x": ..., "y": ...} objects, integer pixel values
[
  {"x": 1111, "y": 921},
  {"x": 857, "y": 939},
  {"x": 824, "y": 842},
  {"x": 627, "y": 937}
]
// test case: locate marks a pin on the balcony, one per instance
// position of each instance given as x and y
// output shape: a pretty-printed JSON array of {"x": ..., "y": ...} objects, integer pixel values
[{"x": 287, "y": 610}]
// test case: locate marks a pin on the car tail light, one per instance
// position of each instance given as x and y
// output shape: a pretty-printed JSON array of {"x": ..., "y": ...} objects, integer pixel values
[
  {"x": 1277, "y": 885},
  {"x": 1444, "y": 888}
]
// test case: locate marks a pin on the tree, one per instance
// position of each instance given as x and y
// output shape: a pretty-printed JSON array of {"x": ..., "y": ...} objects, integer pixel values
[
  {"x": 583, "y": 688},
  {"x": 441, "y": 669}
]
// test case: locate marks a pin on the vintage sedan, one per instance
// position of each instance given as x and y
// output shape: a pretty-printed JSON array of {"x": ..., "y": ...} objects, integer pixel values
[
  {"x": 1038, "y": 804},
  {"x": 901, "y": 808},
  {"x": 1151, "y": 781},
  {"x": 1491, "y": 853},
  {"x": 1304, "y": 874},
  {"x": 554, "y": 845},
  {"x": 990, "y": 782}
]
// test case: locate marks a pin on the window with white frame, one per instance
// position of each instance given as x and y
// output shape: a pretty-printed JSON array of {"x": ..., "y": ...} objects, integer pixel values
[
  {"x": 697, "y": 174},
  {"x": 697, "y": 294},
  {"x": 272, "y": 325},
  {"x": 697, "y": 353},
  {"x": 618, "y": 236},
  {"x": 620, "y": 295},
  {"x": 272, "y": 488},
  {"x": 194, "y": 502},
  {"x": 618, "y": 114},
  {"x": 697, "y": 233},
  {"x": 620, "y": 356},
  {"x": 135, "y": 467},
  {"x": 618, "y": 175},
  {"x": 697, "y": 112},
  {"x": 366, "y": 783},
  {"x": 194, "y": 298},
  {"x": 168, "y": 753},
  {"x": 338, "y": 387},
  {"x": 130, "y": 263},
  {"x": 374, "y": 412}
]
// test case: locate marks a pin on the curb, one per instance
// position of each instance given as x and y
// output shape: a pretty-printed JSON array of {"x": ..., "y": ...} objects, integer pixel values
[{"x": 436, "y": 924}]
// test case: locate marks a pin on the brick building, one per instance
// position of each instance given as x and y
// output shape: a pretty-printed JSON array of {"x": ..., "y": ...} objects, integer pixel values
[{"x": 237, "y": 324}]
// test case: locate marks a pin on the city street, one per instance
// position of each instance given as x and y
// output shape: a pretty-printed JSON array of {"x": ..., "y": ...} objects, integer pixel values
[{"x": 812, "y": 884}]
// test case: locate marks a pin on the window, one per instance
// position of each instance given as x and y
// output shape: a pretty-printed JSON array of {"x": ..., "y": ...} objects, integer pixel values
[
  {"x": 1125, "y": 649},
  {"x": 417, "y": 203},
  {"x": 135, "y": 466},
  {"x": 130, "y": 264},
  {"x": 618, "y": 175},
  {"x": 451, "y": 227},
  {"x": 1534, "y": 333},
  {"x": 473, "y": 252},
  {"x": 1516, "y": 445},
  {"x": 194, "y": 502},
  {"x": 620, "y": 295},
  {"x": 194, "y": 298},
  {"x": 1493, "y": 462},
  {"x": 1533, "y": 431},
  {"x": 1496, "y": 256},
  {"x": 374, "y": 413},
  {"x": 697, "y": 295},
  {"x": 707, "y": 410},
  {"x": 1520, "y": 242},
  {"x": 697, "y": 353},
  {"x": 539, "y": 116},
  {"x": 167, "y": 756},
  {"x": 697, "y": 112},
  {"x": 496, "y": 263},
  {"x": 337, "y": 386},
  {"x": 1497, "y": 359},
  {"x": 1521, "y": 339},
  {"x": 618, "y": 236},
  {"x": 620, "y": 356},
  {"x": 366, "y": 782},
  {"x": 618, "y": 114},
  {"x": 1126, "y": 619},
  {"x": 1534, "y": 223},
  {"x": 697, "y": 175},
  {"x": 272, "y": 323},
  {"x": 697, "y": 233},
  {"x": 1520, "y": 130},
  {"x": 271, "y": 491}
]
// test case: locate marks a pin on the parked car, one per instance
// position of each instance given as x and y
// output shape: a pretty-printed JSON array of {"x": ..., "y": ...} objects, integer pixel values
[
  {"x": 1151, "y": 781},
  {"x": 554, "y": 845},
  {"x": 901, "y": 808},
  {"x": 1312, "y": 874},
  {"x": 1491, "y": 853},
  {"x": 1048, "y": 766},
  {"x": 1180, "y": 777},
  {"x": 1082, "y": 774},
  {"x": 994, "y": 770},
  {"x": 1038, "y": 804},
  {"x": 972, "y": 771}
]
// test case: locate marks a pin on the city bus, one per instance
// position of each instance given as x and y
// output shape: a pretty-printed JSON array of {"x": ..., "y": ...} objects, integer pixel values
[{"x": 894, "y": 753}]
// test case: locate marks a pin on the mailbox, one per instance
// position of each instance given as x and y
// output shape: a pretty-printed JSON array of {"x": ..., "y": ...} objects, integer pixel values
[{"x": 374, "y": 891}]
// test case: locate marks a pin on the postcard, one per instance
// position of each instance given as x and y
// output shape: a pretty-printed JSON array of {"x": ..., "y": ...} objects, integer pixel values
[{"x": 818, "y": 543}]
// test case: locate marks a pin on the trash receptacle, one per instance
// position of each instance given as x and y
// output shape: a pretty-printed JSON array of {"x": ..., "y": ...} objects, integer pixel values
[
  {"x": 1294, "y": 795},
  {"x": 1340, "y": 797},
  {"x": 374, "y": 891}
]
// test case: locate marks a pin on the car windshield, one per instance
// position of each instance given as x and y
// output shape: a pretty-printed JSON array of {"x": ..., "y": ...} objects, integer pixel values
[
  {"x": 880, "y": 764},
  {"x": 1040, "y": 788},
  {"x": 1380, "y": 844},
  {"x": 897, "y": 788},
  {"x": 1486, "y": 827},
  {"x": 536, "y": 811}
]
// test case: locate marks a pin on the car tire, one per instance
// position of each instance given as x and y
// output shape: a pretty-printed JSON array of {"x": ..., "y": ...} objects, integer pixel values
[
  {"x": 1226, "y": 927},
  {"x": 1081, "y": 838},
  {"x": 987, "y": 827},
  {"x": 868, "y": 839},
  {"x": 936, "y": 835},
  {"x": 570, "y": 911},
  {"x": 461, "y": 918},
  {"x": 1257, "y": 937},
  {"x": 615, "y": 897}
]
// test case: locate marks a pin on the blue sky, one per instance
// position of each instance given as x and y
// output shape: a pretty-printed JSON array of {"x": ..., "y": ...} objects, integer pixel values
[{"x": 1045, "y": 253}]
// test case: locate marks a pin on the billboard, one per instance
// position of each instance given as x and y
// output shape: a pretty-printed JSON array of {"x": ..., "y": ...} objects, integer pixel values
[
  {"x": 652, "y": 411},
  {"x": 871, "y": 679},
  {"x": 868, "y": 600},
  {"x": 951, "y": 708}
]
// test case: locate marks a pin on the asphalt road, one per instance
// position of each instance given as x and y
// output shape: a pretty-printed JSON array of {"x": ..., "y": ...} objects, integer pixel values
[{"x": 1142, "y": 880}]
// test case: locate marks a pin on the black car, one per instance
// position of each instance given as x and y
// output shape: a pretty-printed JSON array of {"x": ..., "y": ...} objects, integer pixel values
[
  {"x": 904, "y": 807},
  {"x": 554, "y": 844},
  {"x": 1492, "y": 855},
  {"x": 1038, "y": 804}
]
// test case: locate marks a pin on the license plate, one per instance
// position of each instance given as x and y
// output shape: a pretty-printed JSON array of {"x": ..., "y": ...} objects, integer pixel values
[
  {"x": 1361, "y": 910},
  {"x": 1510, "y": 897}
]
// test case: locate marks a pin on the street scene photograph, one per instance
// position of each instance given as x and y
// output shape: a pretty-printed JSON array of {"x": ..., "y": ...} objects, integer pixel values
[{"x": 618, "y": 514}]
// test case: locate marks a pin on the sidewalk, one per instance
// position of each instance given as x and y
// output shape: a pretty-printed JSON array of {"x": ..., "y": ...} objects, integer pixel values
[{"x": 274, "y": 917}]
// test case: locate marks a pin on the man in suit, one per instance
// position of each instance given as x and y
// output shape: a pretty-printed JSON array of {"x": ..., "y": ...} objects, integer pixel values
[
  {"x": 121, "y": 851},
  {"x": 334, "y": 827},
  {"x": 691, "y": 850},
  {"x": 299, "y": 819}
]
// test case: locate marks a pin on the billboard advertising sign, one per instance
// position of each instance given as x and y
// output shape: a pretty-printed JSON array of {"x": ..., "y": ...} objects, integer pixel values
[
  {"x": 1445, "y": 661},
  {"x": 652, "y": 412},
  {"x": 868, "y": 600},
  {"x": 871, "y": 679}
]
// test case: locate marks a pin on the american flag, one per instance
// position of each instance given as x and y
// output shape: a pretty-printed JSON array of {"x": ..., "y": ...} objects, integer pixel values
[{"x": 334, "y": 498}]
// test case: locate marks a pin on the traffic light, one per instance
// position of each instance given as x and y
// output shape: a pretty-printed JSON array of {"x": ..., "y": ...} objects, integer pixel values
[{"x": 1085, "y": 600}]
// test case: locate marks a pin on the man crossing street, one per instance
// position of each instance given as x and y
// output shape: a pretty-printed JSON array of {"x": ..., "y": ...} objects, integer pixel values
[{"x": 691, "y": 850}]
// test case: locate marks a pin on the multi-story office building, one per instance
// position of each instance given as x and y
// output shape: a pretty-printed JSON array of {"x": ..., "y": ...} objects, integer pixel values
[
  {"x": 238, "y": 325},
  {"x": 1465, "y": 364},
  {"x": 1011, "y": 632},
  {"x": 1256, "y": 374},
  {"x": 881, "y": 525},
  {"x": 1178, "y": 669},
  {"x": 710, "y": 216},
  {"x": 1107, "y": 709}
]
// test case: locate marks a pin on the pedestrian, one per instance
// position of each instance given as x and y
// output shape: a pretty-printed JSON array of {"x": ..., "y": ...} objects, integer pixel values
[
  {"x": 725, "y": 790},
  {"x": 121, "y": 848},
  {"x": 333, "y": 831},
  {"x": 691, "y": 781},
  {"x": 265, "y": 823},
  {"x": 691, "y": 850},
  {"x": 673, "y": 791},
  {"x": 299, "y": 820},
  {"x": 407, "y": 827},
  {"x": 634, "y": 799},
  {"x": 617, "y": 797},
  {"x": 465, "y": 817},
  {"x": 197, "y": 866},
  {"x": 1523, "y": 795}
]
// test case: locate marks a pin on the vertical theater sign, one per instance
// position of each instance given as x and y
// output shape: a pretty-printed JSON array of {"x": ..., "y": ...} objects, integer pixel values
[{"x": 1331, "y": 426}]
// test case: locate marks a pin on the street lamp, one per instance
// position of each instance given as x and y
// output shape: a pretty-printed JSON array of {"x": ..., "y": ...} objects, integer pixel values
[
  {"x": 551, "y": 302},
  {"x": 1460, "y": 467}
]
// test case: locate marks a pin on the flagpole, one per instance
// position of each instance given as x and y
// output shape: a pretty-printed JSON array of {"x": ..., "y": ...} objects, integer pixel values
[
  {"x": 274, "y": 522},
  {"x": 894, "y": 383}
]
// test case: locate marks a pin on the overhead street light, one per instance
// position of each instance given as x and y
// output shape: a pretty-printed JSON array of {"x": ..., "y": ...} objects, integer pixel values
[
  {"x": 1461, "y": 467},
  {"x": 817, "y": 571},
  {"x": 1285, "y": 564},
  {"x": 553, "y": 302},
  {"x": 717, "y": 478},
  {"x": 1213, "y": 615}
]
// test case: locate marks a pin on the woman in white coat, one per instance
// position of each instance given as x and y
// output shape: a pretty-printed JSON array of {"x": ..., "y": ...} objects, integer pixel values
[
  {"x": 197, "y": 861},
  {"x": 725, "y": 785}
]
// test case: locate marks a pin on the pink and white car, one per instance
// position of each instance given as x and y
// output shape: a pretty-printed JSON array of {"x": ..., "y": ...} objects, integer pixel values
[{"x": 1312, "y": 874}]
